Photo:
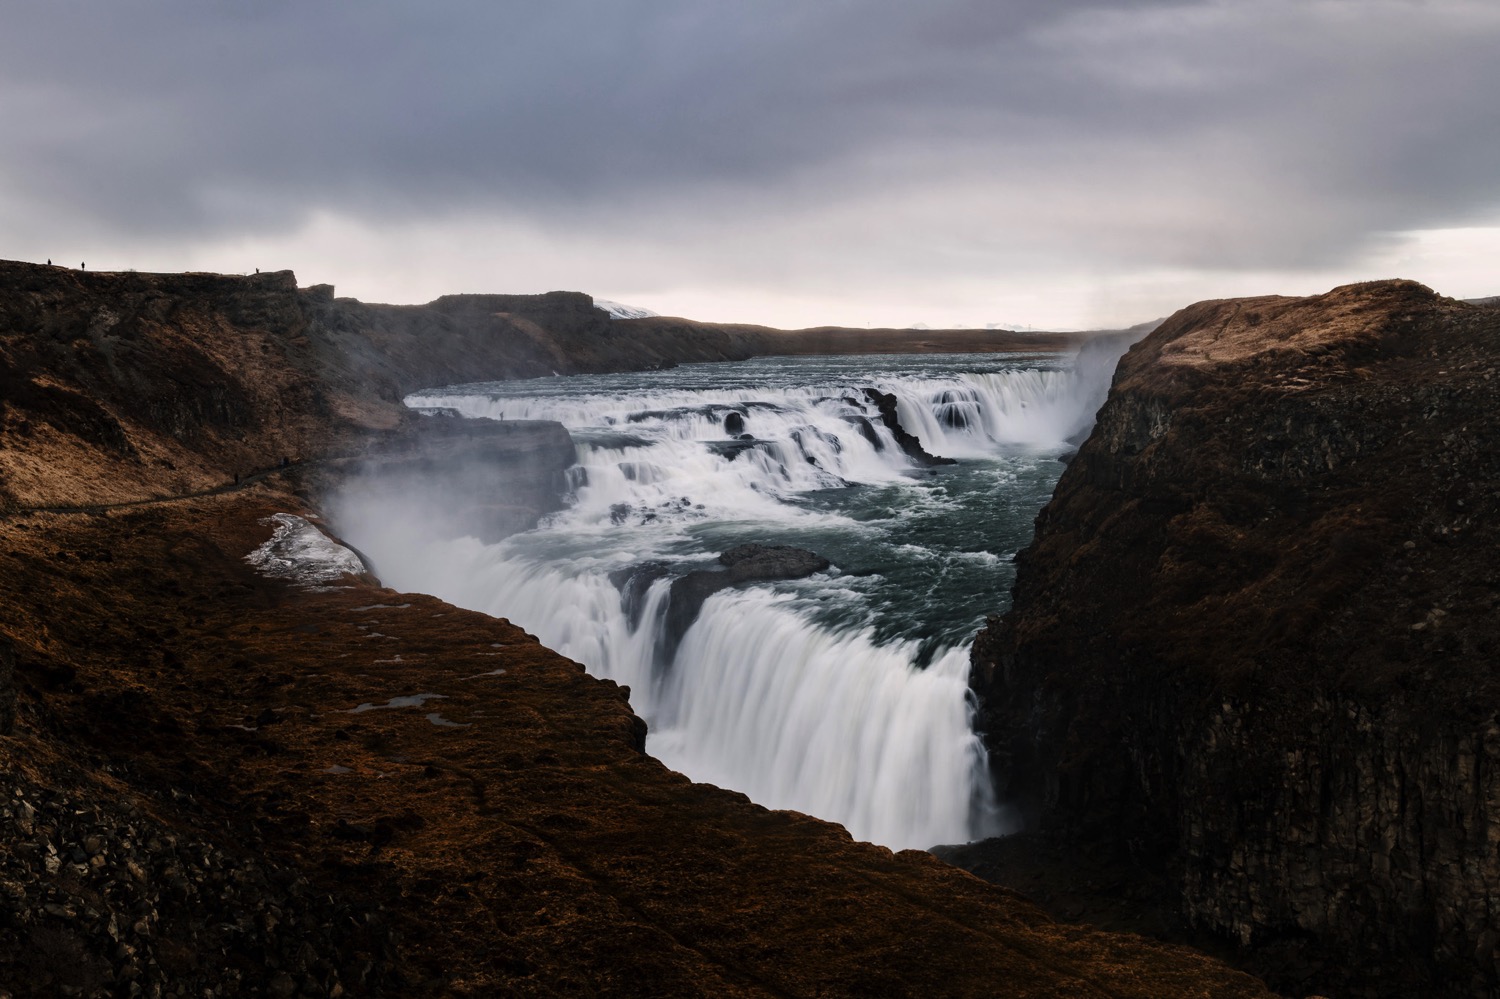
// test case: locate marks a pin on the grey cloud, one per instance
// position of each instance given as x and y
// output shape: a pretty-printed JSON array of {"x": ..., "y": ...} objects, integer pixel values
[{"x": 1212, "y": 134}]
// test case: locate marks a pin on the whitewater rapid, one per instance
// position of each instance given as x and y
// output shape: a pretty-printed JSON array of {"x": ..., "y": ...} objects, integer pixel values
[{"x": 844, "y": 694}]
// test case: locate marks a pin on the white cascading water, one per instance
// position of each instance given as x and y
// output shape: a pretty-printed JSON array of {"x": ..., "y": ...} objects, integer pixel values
[{"x": 799, "y": 693}]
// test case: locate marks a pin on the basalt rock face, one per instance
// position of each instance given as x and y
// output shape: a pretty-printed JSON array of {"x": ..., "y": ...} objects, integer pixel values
[{"x": 1254, "y": 637}]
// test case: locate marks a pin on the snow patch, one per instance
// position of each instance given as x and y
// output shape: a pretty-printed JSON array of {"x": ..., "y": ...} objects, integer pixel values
[
  {"x": 407, "y": 701},
  {"x": 298, "y": 551},
  {"x": 618, "y": 310}
]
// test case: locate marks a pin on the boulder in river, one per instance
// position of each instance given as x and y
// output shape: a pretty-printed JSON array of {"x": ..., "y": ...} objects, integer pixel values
[
  {"x": 750, "y": 563},
  {"x": 910, "y": 444}
]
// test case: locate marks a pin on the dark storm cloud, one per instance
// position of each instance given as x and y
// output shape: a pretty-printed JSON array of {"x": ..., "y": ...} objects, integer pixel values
[{"x": 1210, "y": 134}]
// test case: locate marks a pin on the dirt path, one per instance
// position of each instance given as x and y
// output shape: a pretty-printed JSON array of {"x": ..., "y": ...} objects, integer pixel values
[{"x": 239, "y": 483}]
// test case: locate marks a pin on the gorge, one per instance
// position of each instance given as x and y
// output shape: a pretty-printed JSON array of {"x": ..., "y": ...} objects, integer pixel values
[
  {"x": 355, "y": 790},
  {"x": 840, "y": 692}
]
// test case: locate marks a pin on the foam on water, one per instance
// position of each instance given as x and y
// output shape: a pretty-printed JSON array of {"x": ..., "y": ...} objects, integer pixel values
[{"x": 843, "y": 695}]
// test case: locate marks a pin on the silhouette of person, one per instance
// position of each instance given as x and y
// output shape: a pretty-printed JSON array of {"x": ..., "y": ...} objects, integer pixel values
[{"x": 83, "y": 266}]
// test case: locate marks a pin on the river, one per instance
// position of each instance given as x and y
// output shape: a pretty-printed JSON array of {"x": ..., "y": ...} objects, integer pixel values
[{"x": 842, "y": 694}]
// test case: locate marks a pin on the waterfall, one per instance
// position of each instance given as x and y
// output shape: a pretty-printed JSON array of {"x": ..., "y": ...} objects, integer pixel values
[{"x": 798, "y": 693}]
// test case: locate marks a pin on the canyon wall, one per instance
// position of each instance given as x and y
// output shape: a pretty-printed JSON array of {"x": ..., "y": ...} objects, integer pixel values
[{"x": 1254, "y": 639}]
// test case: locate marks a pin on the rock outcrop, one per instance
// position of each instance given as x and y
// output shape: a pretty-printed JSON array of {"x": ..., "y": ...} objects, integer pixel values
[
  {"x": 1253, "y": 641},
  {"x": 744, "y": 564},
  {"x": 749, "y": 563},
  {"x": 909, "y": 443}
]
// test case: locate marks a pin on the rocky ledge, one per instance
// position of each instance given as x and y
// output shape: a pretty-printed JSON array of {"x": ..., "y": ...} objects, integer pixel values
[{"x": 1253, "y": 642}]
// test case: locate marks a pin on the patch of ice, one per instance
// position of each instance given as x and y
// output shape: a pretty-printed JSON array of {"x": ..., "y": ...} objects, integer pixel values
[
  {"x": 405, "y": 701},
  {"x": 300, "y": 552},
  {"x": 442, "y": 722},
  {"x": 493, "y": 672}
]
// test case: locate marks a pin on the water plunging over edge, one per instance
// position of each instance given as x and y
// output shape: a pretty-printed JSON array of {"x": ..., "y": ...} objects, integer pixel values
[{"x": 835, "y": 695}]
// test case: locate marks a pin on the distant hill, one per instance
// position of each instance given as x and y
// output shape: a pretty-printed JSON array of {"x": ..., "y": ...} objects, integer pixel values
[{"x": 618, "y": 310}]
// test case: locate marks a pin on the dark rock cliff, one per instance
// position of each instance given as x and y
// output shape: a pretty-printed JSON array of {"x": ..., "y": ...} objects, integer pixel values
[{"x": 1254, "y": 639}]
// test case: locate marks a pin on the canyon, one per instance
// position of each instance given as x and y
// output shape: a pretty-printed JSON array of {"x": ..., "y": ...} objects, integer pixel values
[
  {"x": 1248, "y": 659},
  {"x": 222, "y": 782}
]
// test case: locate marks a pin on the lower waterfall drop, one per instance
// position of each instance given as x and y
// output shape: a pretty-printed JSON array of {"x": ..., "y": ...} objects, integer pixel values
[{"x": 843, "y": 694}]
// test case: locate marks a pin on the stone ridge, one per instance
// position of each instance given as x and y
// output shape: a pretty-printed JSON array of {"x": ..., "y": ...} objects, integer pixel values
[
  {"x": 216, "y": 783},
  {"x": 1252, "y": 642}
]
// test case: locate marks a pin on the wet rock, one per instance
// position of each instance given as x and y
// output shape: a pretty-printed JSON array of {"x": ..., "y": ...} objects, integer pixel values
[
  {"x": 745, "y": 564},
  {"x": 734, "y": 424},
  {"x": 753, "y": 561},
  {"x": 634, "y": 582},
  {"x": 866, "y": 429},
  {"x": 731, "y": 450},
  {"x": 910, "y": 444}
]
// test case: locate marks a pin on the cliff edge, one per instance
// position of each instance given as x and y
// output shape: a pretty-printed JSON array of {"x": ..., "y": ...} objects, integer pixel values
[{"x": 1253, "y": 642}]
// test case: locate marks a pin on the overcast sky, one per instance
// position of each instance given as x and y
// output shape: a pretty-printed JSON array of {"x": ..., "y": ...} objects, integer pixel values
[{"x": 1054, "y": 163}]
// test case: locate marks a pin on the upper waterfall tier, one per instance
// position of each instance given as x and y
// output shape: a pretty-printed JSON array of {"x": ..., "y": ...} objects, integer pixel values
[{"x": 839, "y": 693}]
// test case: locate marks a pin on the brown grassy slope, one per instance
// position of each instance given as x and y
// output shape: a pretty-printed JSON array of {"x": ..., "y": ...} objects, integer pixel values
[
  {"x": 533, "y": 851},
  {"x": 118, "y": 386}
]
